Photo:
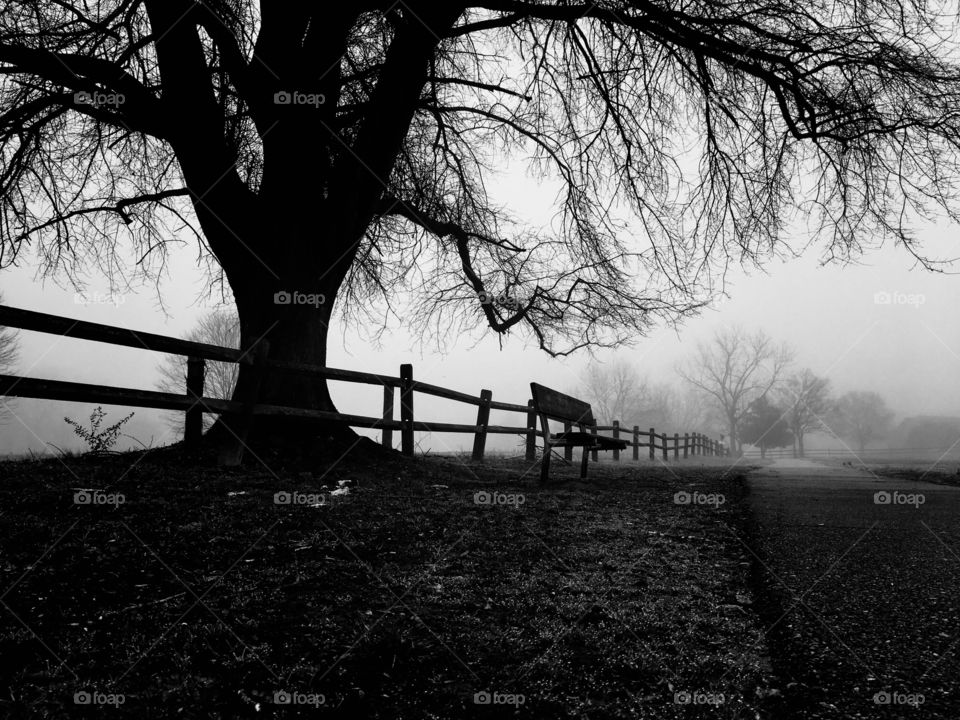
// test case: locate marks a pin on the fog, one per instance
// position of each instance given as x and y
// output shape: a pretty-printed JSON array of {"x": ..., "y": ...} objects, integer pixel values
[{"x": 881, "y": 324}]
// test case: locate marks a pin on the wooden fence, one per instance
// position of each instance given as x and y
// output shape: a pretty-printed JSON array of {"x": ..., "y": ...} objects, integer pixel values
[{"x": 194, "y": 404}]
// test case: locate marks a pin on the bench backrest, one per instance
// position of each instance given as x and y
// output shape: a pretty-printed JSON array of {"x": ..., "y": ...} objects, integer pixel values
[{"x": 556, "y": 405}]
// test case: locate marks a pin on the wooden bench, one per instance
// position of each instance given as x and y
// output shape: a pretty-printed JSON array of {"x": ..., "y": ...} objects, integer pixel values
[{"x": 548, "y": 404}]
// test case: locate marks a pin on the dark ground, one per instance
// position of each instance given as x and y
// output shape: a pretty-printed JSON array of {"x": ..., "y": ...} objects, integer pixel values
[{"x": 199, "y": 597}]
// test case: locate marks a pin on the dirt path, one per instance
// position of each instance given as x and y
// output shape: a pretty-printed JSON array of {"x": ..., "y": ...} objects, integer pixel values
[{"x": 859, "y": 590}]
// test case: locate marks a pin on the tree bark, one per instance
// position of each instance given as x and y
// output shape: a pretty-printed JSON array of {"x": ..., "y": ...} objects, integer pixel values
[{"x": 290, "y": 308}]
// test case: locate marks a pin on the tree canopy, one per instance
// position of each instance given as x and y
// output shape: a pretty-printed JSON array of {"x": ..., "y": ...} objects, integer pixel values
[
  {"x": 861, "y": 416},
  {"x": 131, "y": 120},
  {"x": 348, "y": 151},
  {"x": 764, "y": 425}
]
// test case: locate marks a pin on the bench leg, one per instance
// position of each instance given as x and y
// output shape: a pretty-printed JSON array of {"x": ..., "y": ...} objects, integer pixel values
[
  {"x": 583, "y": 463},
  {"x": 545, "y": 464}
]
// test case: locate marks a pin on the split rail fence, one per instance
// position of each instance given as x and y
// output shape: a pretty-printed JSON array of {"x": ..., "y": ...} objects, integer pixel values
[{"x": 194, "y": 404}]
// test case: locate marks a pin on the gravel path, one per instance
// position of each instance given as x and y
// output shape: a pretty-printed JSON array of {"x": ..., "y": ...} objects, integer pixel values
[{"x": 859, "y": 595}]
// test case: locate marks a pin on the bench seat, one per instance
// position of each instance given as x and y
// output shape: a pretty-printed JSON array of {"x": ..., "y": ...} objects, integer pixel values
[{"x": 587, "y": 440}]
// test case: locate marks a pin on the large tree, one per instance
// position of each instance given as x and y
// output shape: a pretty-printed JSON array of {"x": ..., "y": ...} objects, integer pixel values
[
  {"x": 861, "y": 416},
  {"x": 807, "y": 400},
  {"x": 346, "y": 150},
  {"x": 733, "y": 369}
]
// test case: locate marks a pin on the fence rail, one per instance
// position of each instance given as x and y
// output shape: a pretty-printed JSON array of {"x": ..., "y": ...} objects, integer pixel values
[{"x": 194, "y": 404}]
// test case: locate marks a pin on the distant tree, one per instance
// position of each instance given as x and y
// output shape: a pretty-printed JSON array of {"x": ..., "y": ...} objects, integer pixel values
[
  {"x": 765, "y": 426},
  {"x": 806, "y": 398},
  {"x": 734, "y": 369},
  {"x": 219, "y": 327},
  {"x": 930, "y": 433},
  {"x": 690, "y": 410},
  {"x": 861, "y": 417},
  {"x": 614, "y": 391},
  {"x": 9, "y": 355},
  {"x": 618, "y": 392}
]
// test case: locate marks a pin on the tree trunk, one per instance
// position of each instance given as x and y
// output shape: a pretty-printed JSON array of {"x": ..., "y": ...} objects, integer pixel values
[
  {"x": 293, "y": 314},
  {"x": 800, "y": 441}
]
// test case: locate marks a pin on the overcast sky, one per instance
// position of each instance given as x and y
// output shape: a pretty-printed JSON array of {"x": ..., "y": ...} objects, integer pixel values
[{"x": 907, "y": 349}]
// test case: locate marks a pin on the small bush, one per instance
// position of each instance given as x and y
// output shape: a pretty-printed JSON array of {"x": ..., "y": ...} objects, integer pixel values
[{"x": 99, "y": 442}]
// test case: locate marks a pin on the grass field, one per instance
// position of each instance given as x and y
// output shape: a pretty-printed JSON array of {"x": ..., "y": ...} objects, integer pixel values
[{"x": 407, "y": 596}]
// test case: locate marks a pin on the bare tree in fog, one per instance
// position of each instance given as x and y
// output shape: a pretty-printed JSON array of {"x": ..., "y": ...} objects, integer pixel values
[
  {"x": 617, "y": 391},
  {"x": 220, "y": 327},
  {"x": 691, "y": 410},
  {"x": 9, "y": 355},
  {"x": 340, "y": 154},
  {"x": 861, "y": 416},
  {"x": 735, "y": 368},
  {"x": 806, "y": 398}
]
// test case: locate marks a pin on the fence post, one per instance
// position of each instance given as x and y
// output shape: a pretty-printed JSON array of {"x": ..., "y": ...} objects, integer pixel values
[
  {"x": 616, "y": 436},
  {"x": 636, "y": 442},
  {"x": 664, "y": 438},
  {"x": 594, "y": 455},
  {"x": 686, "y": 444},
  {"x": 696, "y": 444},
  {"x": 568, "y": 450},
  {"x": 531, "y": 431},
  {"x": 406, "y": 409},
  {"x": 387, "y": 439},
  {"x": 653, "y": 444},
  {"x": 193, "y": 423},
  {"x": 483, "y": 419},
  {"x": 676, "y": 446}
]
